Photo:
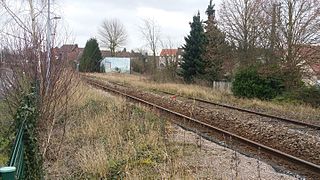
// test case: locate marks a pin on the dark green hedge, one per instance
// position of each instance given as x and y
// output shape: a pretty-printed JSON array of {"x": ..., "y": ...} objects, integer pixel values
[{"x": 248, "y": 83}]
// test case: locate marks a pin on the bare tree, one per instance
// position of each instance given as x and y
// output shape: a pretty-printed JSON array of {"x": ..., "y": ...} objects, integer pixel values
[
  {"x": 283, "y": 32},
  {"x": 291, "y": 31},
  {"x": 299, "y": 27},
  {"x": 113, "y": 34},
  {"x": 240, "y": 23},
  {"x": 150, "y": 31}
]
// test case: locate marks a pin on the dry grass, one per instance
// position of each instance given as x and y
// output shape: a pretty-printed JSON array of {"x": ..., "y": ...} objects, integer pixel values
[
  {"x": 109, "y": 138},
  {"x": 285, "y": 109}
]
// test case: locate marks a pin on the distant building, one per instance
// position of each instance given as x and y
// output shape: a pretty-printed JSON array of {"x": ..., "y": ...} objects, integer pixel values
[
  {"x": 68, "y": 52},
  {"x": 116, "y": 64},
  {"x": 72, "y": 53},
  {"x": 311, "y": 64},
  {"x": 168, "y": 56}
]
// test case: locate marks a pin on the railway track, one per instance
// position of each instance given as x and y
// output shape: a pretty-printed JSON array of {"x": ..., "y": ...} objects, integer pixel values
[
  {"x": 296, "y": 164},
  {"x": 303, "y": 124}
]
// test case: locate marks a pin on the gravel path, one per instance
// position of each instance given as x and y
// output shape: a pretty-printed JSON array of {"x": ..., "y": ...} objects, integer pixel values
[{"x": 212, "y": 161}]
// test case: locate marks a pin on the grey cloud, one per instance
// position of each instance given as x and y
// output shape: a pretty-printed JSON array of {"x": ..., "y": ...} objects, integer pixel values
[{"x": 85, "y": 16}]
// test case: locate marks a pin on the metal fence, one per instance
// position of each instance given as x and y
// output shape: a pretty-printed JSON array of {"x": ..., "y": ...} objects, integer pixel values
[{"x": 15, "y": 168}]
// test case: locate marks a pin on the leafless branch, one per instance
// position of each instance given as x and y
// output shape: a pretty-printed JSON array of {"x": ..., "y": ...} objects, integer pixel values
[{"x": 113, "y": 34}]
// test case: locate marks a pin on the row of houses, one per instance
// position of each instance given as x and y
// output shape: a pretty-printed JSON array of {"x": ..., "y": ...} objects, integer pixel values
[
  {"x": 123, "y": 59},
  {"x": 72, "y": 53}
]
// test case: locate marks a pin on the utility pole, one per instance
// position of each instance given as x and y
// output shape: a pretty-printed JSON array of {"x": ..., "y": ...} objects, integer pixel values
[{"x": 48, "y": 48}]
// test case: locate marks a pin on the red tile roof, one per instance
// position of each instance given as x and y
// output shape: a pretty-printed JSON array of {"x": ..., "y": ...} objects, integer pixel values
[{"x": 168, "y": 52}]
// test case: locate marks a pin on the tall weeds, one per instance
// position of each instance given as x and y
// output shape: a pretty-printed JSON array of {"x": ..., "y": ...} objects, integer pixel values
[{"x": 109, "y": 138}]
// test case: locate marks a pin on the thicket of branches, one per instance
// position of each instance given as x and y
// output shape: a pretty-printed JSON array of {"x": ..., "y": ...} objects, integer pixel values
[
  {"x": 24, "y": 56},
  {"x": 113, "y": 35},
  {"x": 277, "y": 32},
  {"x": 277, "y": 35},
  {"x": 150, "y": 32}
]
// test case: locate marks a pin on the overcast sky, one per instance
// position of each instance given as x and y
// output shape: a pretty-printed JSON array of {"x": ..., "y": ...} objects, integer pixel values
[{"x": 84, "y": 17}]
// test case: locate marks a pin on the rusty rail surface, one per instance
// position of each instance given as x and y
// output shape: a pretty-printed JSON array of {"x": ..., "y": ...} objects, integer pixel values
[
  {"x": 295, "y": 160},
  {"x": 288, "y": 120}
]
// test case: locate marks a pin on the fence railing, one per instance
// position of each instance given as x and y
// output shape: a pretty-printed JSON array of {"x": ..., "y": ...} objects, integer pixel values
[{"x": 15, "y": 168}]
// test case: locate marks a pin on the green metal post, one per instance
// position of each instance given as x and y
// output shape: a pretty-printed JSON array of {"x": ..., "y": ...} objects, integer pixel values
[{"x": 8, "y": 173}]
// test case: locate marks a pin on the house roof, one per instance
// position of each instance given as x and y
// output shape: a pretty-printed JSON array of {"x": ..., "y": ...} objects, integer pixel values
[
  {"x": 168, "y": 52},
  {"x": 68, "y": 47}
]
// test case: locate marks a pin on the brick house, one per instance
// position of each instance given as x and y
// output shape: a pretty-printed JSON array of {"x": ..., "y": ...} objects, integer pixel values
[
  {"x": 68, "y": 52},
  {"x": 168, "y": 56}
]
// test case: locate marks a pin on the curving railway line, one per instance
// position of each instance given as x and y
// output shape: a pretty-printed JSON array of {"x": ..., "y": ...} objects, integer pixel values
[{"x": 275, "y": 156}]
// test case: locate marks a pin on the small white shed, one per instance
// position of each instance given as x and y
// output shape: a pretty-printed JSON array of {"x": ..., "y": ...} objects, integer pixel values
[{"x": 116, "y": 64}]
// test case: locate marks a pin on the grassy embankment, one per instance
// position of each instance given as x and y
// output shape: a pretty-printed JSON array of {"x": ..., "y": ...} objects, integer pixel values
[
  {"x": 107, "y": 137},
  {"x": 277, "y": 108}
]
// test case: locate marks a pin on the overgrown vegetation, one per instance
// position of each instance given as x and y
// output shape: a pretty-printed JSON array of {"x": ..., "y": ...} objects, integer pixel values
[
  {"x": 252, "y": 82},
  {"x": 109, "y": 138},
  {"x": 27, "y": 60},
  {"x": 27, "y": 115}
]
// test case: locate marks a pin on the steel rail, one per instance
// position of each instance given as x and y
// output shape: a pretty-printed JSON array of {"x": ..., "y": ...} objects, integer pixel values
[
  {"x": 293, "y": 121},
  {"x": 309, "y": 165},
  {"x": 313, "y": 126}
]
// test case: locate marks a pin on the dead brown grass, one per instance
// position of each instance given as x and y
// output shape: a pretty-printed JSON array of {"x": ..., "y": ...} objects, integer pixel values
[
  {"x": 109, "y": 138},
  {"x": 303, "y": 112}
]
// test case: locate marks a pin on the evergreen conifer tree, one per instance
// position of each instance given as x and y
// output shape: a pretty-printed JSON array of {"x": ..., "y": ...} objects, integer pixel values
[
  {"x": 215, "y": 48},
  {"x": 192, "y": 64},
  {"x": 91, "y": 57}
]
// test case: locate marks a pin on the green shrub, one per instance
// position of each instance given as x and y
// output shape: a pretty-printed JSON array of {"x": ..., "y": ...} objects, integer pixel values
[
  {"x": 307, "y": 95},
  {"x": 248, "y": 83}
]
